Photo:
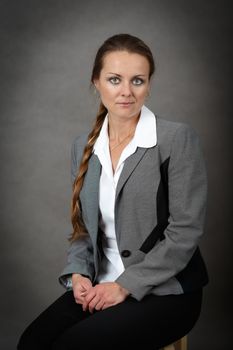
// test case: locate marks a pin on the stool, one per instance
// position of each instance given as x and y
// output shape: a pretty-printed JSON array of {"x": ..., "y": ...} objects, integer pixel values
[{"x": 180, "y": 344}]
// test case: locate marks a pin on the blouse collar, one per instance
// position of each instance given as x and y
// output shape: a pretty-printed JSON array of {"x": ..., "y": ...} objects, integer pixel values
[{"x": 145, "y": 134}]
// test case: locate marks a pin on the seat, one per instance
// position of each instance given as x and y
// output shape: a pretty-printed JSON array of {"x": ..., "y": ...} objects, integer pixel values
[{"x": 181, "y": 344}]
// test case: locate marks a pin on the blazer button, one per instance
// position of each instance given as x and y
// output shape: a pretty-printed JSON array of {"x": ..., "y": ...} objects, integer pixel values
[{"x": 125, "y": 253}]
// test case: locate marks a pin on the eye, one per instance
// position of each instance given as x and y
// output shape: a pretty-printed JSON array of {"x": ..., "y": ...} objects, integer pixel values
[
  {"x": 138, "y": 81},
  {"x": 114, "y": 80}
]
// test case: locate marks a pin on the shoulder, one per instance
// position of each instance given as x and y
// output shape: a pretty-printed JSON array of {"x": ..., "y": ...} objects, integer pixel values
[
  {"x": 169, "y": 131},
  {"x": 80, "y": 141},
  {"x": 170, "y": 128},
  {"x": 78, "y": 146},
  {"x": 176, "y": 138}
]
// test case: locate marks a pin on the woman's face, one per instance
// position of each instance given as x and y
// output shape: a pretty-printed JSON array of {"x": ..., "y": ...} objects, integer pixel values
[{"x": 123, "y": 83}]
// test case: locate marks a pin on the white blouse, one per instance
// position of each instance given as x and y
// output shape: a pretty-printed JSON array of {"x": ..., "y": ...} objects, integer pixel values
[{"x": 145, "y": 136}]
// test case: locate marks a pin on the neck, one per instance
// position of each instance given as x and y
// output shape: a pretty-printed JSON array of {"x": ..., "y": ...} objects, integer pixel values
[{"x": 118, "y": 128}]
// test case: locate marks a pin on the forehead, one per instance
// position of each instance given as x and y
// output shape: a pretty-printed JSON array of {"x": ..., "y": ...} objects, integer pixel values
[{"x": 122, "y": 62}]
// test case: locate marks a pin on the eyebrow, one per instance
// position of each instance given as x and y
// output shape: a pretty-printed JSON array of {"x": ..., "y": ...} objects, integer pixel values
[{"x": 118, "y": 75}]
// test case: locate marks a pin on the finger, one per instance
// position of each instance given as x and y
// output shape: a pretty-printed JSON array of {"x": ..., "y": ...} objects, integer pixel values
[
  {"x": 93, "y": 304},
  {"x": 90, "y": 295},
  {"x": 85, "y": 304},
  {"x": 88, "y": 298},
  {"x": 106, "y": 305},
  {"x": 99, "y": 305},
  {"x": 78, "y": 297}
]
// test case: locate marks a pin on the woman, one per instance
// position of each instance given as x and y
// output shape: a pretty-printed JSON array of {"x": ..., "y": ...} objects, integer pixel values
[{"x": 134, "y": 272}]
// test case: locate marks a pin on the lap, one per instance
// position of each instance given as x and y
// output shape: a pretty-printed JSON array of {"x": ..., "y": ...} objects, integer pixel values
[{"x": 156, "y": 320}]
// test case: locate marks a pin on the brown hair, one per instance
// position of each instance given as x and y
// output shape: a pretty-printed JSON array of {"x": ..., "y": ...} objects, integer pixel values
[{"x": 119, "y": 42}]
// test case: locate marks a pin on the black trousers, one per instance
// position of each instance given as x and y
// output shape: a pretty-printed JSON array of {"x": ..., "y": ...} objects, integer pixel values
[{"x": 151, "y": 323}]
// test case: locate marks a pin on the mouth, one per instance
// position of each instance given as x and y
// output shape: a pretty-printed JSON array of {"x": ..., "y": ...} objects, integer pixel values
[{"x": 125, "y": 103}]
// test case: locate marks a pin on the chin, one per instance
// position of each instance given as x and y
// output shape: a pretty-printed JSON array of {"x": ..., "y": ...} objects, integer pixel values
[{"x": 126, "y": 112}]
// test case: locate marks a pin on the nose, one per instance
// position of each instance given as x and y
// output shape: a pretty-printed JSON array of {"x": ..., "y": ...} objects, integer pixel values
[{"x": 126, "y": 90}]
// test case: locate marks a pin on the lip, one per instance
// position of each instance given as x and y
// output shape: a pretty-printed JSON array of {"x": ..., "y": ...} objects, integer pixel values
[{"x": 125, "y": 103}]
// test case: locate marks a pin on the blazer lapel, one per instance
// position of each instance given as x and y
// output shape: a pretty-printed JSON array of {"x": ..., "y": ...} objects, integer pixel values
[
  {"x": 129, "y": 166},
  {"x": 91, "y": 186}
]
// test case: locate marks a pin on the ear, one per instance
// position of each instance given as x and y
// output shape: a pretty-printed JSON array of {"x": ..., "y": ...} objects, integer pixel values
[
  {"x": 149, "y": 89},
  {"x": 96, "y": 84}
]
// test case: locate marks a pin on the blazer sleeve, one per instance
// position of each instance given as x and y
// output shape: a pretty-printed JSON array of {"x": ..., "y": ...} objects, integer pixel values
[
  {"x": 80, "y": 252},
  {"x": 187, "y": 187}
]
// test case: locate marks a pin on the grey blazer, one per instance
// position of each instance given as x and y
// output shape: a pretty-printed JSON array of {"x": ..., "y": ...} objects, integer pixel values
[{"x": 159, "y": 215}]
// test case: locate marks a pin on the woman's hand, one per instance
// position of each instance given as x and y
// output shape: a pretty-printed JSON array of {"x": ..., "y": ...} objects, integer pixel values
[
  {"x": 104, "y": 295},
  {"x": 81, "y": 286}
]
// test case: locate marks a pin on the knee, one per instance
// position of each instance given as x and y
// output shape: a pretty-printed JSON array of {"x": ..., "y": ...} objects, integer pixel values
[
  {"x": 28, "y": 342},
  {"x": 24, "y": 343}
]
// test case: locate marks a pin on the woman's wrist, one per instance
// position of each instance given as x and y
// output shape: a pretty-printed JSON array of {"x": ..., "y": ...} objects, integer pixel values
[
  {"x": 123, "y": 290},
  {"x": 75, "y": 277}
]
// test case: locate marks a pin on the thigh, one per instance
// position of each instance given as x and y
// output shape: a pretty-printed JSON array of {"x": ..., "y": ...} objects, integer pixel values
[
  {"x": 59, "y": 316},
  {"x": 154, "y": 321}
]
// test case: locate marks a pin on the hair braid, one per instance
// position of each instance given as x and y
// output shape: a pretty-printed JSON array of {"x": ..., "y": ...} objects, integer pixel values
[{"x": 76, "y": 210}]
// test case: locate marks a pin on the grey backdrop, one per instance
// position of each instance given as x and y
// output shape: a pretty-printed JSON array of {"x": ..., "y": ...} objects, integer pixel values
[{"x": 47, "y": 50}]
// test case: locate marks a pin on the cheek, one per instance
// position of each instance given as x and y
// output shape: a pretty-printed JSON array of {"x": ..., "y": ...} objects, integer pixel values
[
  {"x": 142, "y": 94},
  {"x": 109, "y": 92}
]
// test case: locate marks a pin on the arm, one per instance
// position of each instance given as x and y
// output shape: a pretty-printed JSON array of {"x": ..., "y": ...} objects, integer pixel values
[
  {"x": 187, "y": 203},
  {"x": 80, "y": 252}
]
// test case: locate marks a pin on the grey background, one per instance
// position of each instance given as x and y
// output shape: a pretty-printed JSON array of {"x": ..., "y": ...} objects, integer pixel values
[{"x": 47, "y": 51}]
